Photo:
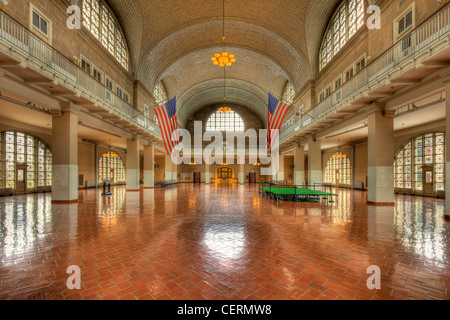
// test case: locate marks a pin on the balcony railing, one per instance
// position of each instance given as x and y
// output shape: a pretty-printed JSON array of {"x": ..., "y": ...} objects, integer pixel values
[
  {"x": 25, "y": 42},
  {"x": 437, "y": 27}
]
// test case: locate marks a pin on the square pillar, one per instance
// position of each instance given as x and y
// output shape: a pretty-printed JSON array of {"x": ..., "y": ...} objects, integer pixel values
[
  {"x": 314, "y": 161},
  {"x": 133, "y": 166},
  {"x": 207, "y": 173},
  {"x": 380, "y": 171},
  {"x": 65, "y": 155},
  {"x": 447, "y": 152},
  {"x": 241, "y": 177},
  {"x": 149, "y": 166},
  {"x": 299, "y": 165},
  {"x": 169, "y": 173}
]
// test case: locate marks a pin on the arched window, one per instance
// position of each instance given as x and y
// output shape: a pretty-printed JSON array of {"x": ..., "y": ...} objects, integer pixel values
[
  {"x": 225, "y": 121},
  {"x": 160, "y": 93},
  {"x": 289, "y": 92},
  {"x": 110, "y": 167},
  {"x": 101, "y": 22},
  {"x": 339, "y": 170},
  {"x": 30, "y": 153},
  {"x": 348, "y": 18},
  {"x": 421, "y": 161}
]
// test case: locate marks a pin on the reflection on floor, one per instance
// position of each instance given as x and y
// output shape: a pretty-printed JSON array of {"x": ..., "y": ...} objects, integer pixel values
[{"x": 221, "y": 241}]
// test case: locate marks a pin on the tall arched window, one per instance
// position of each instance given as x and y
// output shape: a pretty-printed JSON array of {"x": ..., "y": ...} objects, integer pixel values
[
  {"x": 101, "y": 22},
  {"x": 347, "y": 19},
  {"x": 421, "y": 162},
  {"x": 225, "y": 121},
  {"x": 110, "y": 167},
  {"x": 289, "y": 92},
  {"x": 160, "y": 93},
  {"x": 339, "y": 170},
  {"x": 19, "y": 150}
]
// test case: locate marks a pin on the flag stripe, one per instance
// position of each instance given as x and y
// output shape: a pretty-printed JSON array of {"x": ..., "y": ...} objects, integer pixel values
[
  {"x": 162, "y": 127},
  {"x": 275, "y": 119},
  {"x": 168, "y": 123}
]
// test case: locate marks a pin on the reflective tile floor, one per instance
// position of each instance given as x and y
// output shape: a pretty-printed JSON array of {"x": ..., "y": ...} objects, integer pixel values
[{"x": 221, "y": 242}]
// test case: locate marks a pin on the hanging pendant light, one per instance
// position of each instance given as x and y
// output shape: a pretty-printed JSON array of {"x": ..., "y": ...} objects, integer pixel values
[{"x": 224, "y": 58}]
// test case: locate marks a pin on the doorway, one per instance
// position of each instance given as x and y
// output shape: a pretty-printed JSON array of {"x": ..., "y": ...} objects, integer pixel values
[
  {"x": 428, "y": 183},
  {"x": 252, "y": 177},
  {"x": 337, "y": 176},
  {"x": 21, "y": 182},
  {"x": 225, "y": 173},
  {"x": 197, "y": 177}
]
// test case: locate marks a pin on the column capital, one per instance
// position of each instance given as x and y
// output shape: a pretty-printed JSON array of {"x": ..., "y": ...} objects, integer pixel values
[
  {"x": 69, "y": 107},
  {"x": 311, "y": 138},
  {"x": 297, "y": 144},
  {"x": 374, "y": 108}
]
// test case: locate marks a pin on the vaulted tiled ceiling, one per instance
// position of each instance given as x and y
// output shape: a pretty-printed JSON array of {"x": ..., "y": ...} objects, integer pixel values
[{"x": 176, "y": 39}]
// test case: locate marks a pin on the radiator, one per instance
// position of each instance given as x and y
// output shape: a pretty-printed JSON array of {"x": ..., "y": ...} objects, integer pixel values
[
  {"x": 89, "y": 184},
  {"x": 6, "y": 191},
  {"x": 359, "y": 185}
]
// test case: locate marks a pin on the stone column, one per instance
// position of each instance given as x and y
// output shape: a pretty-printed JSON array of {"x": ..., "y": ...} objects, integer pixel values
[
  {"x": 380, "y": 171},
  {"x": 447, "y": 153},
  {"x": 65, "y": 155},
  {"x": 169, "y": 168},
  {"x": 241, "y": 170},
  {"x": 280, "y": 173},
  {"x": 299, "y": 165},
  {"x": 207, "y": 173},
  {"x": 133, "y": 167},
  {"x": 314, "y": 161},
  {"x": 149, "y": 166}
]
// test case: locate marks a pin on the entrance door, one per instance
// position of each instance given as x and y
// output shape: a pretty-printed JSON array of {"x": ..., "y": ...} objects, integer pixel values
[
  {"x": 225, "y": 173},
  {"x": 428, "y": 185},
  {"x": 21, "y": 183},
  {"x": 252, "y": 177},
  {"x": 337, "y": 176},
  {"x": 197, "y": 177}
]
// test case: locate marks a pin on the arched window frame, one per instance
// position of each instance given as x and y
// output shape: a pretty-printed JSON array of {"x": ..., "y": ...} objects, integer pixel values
[
  {"x": 345, "y": 22},
  {"x": 428, "y": 149},
  {"x": 342, "y": 163},
  {"x": 100, "y": 20},
  {"x": 225, "y": 121},
  {"x": 111, "y": 168},
  {"x": 19, "y": 147},
  {"x": 289, "y": 92},
  {"x": 160, "y": 93}
]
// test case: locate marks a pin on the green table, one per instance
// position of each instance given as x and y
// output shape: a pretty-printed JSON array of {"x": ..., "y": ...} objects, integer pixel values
[{"x": 297, "y": 194}]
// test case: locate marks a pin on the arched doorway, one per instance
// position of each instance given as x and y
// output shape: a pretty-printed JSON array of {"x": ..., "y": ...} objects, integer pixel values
[
  {"x": 25, "y": 163},
  {"x": 419, "y": 166},
  {"x": 339, "y": 170},
  {"x": 224, "y": 173},
  {"x": 110, "y": 167}
]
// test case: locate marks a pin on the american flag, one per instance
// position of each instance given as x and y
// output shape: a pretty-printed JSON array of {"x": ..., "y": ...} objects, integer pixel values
[
  {"x": 277, "y": 112},
  {"x": 167, "y": 119}
]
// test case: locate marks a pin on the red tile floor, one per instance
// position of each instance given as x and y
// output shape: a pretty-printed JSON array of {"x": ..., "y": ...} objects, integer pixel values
[{"x": 221, "y": 242}]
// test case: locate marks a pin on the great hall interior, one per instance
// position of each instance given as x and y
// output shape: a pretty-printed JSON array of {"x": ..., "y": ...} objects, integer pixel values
[{"x": 363, "y": 175}]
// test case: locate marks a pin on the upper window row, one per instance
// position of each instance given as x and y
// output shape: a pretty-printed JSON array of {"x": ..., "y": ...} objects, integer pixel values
[
  {"x": 348, "y": 18},
  {"x": 100, "y": 21}
]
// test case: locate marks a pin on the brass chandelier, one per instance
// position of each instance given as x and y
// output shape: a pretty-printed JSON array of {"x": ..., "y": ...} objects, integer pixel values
[{"x": 224, "y": 58}]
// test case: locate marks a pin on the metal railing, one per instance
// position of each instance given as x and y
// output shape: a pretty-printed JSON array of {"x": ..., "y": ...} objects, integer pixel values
[
  {"x": 435, "y": 28},
  {"x": 22, "y": 40}
]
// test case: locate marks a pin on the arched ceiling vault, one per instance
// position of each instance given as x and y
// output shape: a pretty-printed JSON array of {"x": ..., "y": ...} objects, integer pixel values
[
  {"x": 272, "y": 40},
  {"x": 240, "y": 35}
]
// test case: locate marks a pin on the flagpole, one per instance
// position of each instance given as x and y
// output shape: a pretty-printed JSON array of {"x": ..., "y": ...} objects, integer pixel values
[
  {"x": 291, "y": 104},
  {"x": 156, "y": 105}
]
